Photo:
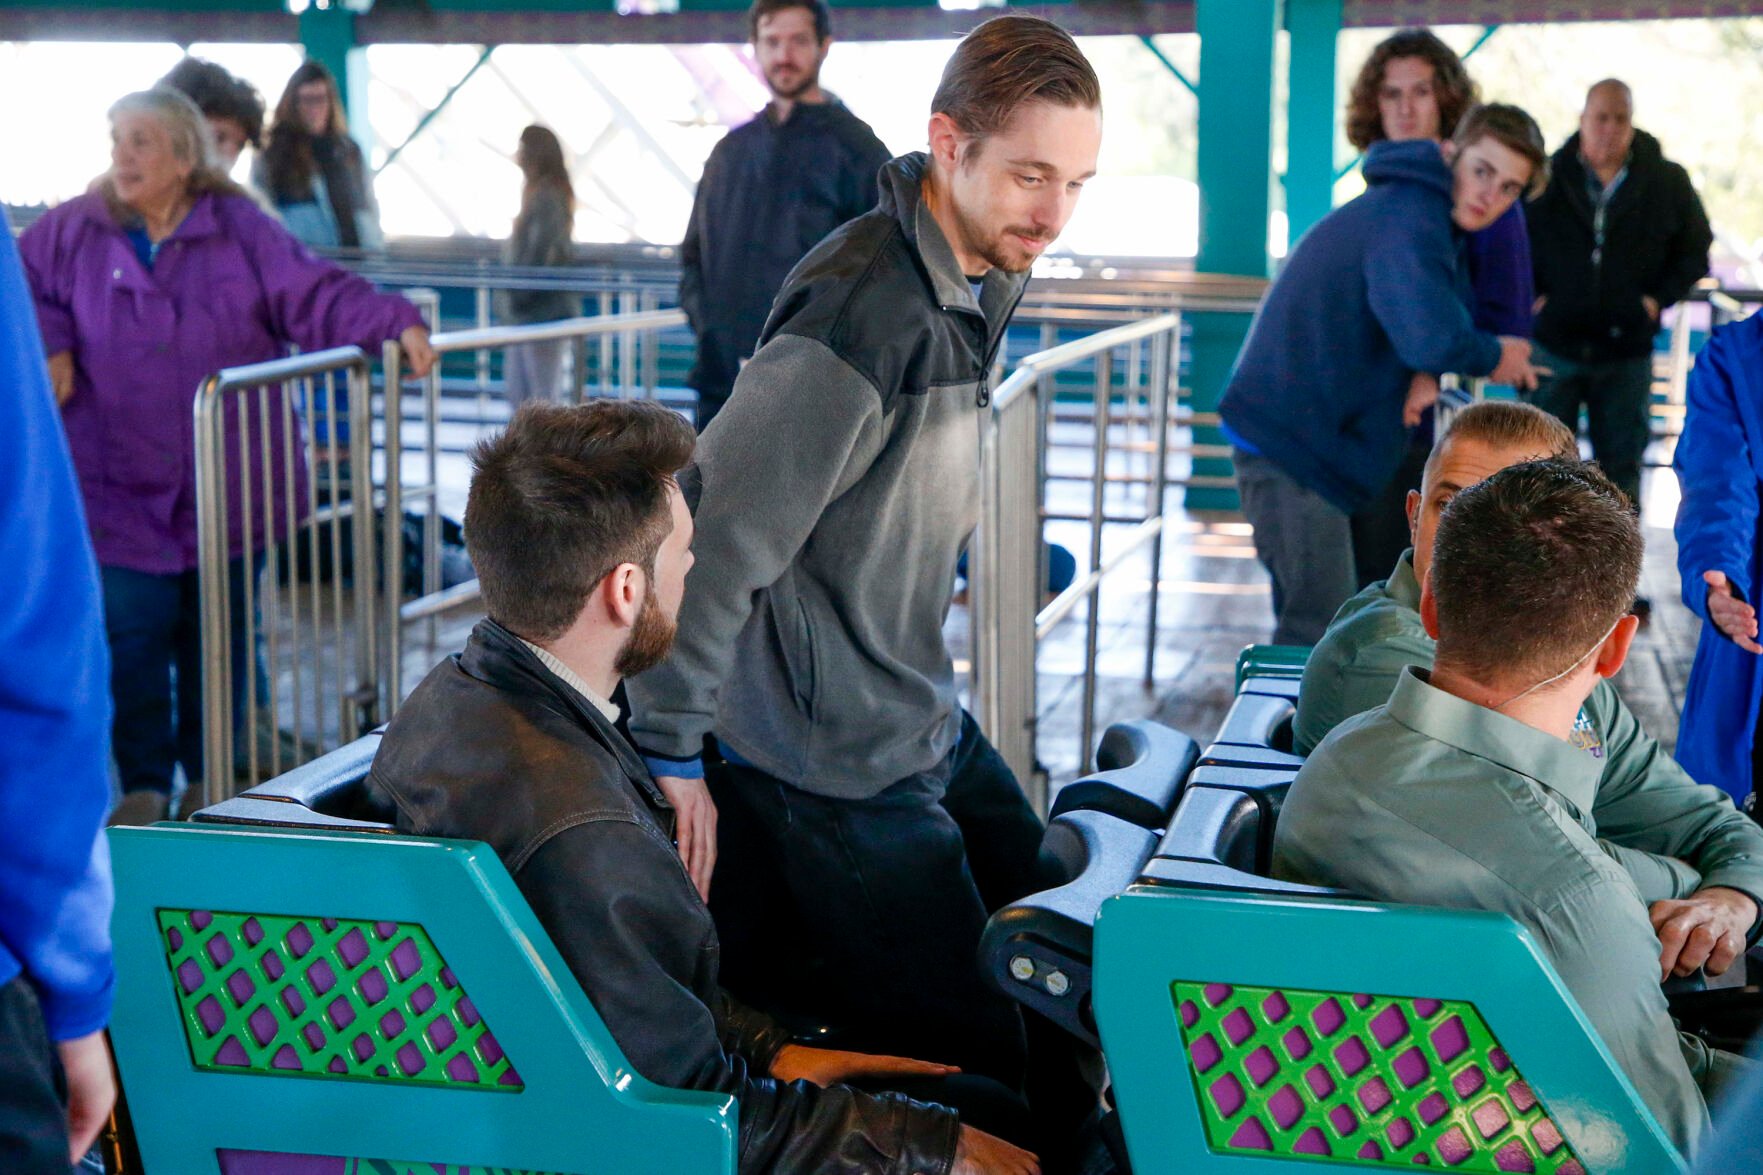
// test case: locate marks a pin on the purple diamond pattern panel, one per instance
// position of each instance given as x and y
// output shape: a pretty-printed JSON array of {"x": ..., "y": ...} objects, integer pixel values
[
  {"x": 1358, "y": 1079},
  {"x": 330, "y": 998}
]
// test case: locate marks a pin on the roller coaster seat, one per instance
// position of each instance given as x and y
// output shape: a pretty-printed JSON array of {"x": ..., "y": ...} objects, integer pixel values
[{"x": 302, "y": 991}]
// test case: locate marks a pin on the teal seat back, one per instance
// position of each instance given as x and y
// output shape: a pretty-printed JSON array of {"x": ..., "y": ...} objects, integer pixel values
[
  {"x": 1270, "y": 661},
  {"x": 1257, "y": 1033},
  {"x": 312, "y": 1002}
]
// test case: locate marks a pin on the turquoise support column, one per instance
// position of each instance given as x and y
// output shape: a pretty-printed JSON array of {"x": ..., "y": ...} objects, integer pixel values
[
  {"x": 1236, "y": 196},
  {"x": 1314, "y": 26}
]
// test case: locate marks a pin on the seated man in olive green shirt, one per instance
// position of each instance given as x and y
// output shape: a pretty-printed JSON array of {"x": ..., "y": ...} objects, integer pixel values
[
  {"x": 1468, "y": 789},
  {"x": 1673, "y": 836}
]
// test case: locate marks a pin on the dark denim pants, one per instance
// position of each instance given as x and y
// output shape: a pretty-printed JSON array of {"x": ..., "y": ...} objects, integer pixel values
[
  {"x": 154, "y": 626},
  {"x": 867, "y": 914},
  {"x": 33, "y": 1118},
  {"x": 1617, "y": 395}
]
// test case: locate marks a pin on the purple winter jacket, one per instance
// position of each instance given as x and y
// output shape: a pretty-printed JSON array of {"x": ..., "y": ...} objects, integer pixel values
[{"x": 229, "y": 287}]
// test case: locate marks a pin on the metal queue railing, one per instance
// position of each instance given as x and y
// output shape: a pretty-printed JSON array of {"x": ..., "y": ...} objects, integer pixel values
[
  {"x": 1007, "y": 579},
  {"x": 301, "y": 544},
  {"x": 272, "y": 513},
  {"x": 627, "y": 343}
]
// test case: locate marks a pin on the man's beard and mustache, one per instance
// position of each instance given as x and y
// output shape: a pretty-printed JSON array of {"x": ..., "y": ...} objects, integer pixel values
[
  {"x": 805, "y": 81},
  {"x": 1001, "y": 249},
  {"x": 650, "y": 641}
]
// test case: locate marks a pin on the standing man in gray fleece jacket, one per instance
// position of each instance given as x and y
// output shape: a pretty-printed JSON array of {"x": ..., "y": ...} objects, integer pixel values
[{"x": 837, "y": 491}]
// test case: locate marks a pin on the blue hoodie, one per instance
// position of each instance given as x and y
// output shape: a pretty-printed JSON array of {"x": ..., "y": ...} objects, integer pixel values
[
  {"x": 1373, "y": 293},
  {"x": 54, "y": 697}
]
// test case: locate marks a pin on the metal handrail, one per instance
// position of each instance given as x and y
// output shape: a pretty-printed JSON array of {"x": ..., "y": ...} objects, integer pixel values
[{"x": 355, "y": 700}]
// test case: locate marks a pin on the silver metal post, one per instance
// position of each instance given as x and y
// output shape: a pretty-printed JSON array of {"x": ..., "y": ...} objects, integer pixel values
[
  {"x": 1092, "y": 624},
  {"x": 392, "y": 541},
  {"x": 1163, "y": 359},
  {"x": 364, "y": 713},
  {"x": 211, "y": 538}
]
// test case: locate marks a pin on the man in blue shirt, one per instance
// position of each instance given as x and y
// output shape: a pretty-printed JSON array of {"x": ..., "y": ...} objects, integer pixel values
[
  {"x": 55, "y": 967},
  {"x": 1315, "y": 409}
]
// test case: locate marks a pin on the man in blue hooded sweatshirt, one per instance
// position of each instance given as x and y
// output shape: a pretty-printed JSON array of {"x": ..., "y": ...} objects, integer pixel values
[
  {"x": 55, "y": 967},
  {"x": 1318, "y": 407}
]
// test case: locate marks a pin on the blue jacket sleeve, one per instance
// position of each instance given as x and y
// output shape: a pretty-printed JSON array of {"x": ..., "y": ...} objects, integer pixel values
[
  {"x": 1499, "y": 272},
  {"x": 1411, "y": 283},
  {"x": 1717, "y": 518},
  {"x": 55, "y": 891}
]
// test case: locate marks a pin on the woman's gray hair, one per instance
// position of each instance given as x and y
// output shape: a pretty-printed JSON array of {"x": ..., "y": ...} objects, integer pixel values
[{"x": 192, "y": 140}]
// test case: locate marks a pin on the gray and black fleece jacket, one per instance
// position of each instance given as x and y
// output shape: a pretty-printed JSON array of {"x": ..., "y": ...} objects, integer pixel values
[{"x": 836, "y": 492}]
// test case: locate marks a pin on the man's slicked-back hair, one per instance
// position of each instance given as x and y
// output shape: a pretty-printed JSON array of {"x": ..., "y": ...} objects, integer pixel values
[
  {"x": 1006, "y": 62},
  {"x": 561, "y": 498},
  {"x": 823, "y": 16},
  {"x": 1509, "y": 424},
  {"x": 1531, "y": 568}
]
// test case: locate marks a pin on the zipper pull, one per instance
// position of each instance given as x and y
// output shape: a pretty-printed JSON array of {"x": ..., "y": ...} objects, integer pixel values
[{"x": 985, "y": 390}]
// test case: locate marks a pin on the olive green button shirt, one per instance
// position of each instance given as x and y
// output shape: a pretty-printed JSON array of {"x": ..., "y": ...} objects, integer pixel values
[
  {"x": 1433, "y": 800},
  {"x": 1673, "y": 835}
]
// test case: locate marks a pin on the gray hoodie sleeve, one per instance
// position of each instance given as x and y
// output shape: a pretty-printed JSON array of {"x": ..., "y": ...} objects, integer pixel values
[{"x": 800, "y": 429}]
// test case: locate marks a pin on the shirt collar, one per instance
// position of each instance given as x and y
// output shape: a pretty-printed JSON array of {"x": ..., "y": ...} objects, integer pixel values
[
  {"x": 1401, "y": 586},
  {"x": 1487, "y": 734},
  {"x": 573, "y": 681}
]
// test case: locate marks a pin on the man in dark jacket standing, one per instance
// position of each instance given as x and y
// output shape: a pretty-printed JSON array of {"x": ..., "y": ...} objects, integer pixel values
[
  {"x": 771, "y": 190},
  {"x": 1619, "y": 236},
  {"x": 1319, "y": 406},
  {"x": 582, "y": 539},
  {"x": 839, "y": 488}
]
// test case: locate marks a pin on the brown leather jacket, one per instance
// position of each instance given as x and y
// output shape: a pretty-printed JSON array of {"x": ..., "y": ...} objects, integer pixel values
[{"x": 494, "y": 747}]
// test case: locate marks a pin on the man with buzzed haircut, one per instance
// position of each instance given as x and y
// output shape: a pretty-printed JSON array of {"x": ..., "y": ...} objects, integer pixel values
[
  {"x": 1679, "y": 841},
  {"x": 1619, "y": 236},
  {"x": 1467, "y": 788}
]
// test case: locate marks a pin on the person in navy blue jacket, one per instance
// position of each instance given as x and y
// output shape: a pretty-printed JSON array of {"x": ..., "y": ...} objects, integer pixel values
[
  {"x": 55, "y": 965},
  {"x": 1319, "y": 406},
  {"x": 1719, "y": 463}
]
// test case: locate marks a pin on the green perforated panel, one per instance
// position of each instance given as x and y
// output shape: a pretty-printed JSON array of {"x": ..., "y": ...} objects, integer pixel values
[
  {"x": 326, "y": 997},
  {"x": 1367, "y": 1080}
]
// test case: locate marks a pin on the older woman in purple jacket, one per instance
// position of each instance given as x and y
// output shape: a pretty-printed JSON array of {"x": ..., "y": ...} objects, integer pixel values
[{"x": 164, "y": 273}]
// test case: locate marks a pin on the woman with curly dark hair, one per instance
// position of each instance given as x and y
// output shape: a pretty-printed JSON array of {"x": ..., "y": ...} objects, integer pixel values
[
  {"x": 232, "y": 106},
  {"x": 1414, "y": 86},
  {"x": 312, "y": 172}
]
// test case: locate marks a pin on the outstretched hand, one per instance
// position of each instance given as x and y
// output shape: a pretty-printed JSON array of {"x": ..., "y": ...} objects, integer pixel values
[
  {"x": 800, "y": 1062},
  {"x": 419, "y": 357},
  {"x": 1731, "y": 615},
  {"x": 694, "y": 827}
]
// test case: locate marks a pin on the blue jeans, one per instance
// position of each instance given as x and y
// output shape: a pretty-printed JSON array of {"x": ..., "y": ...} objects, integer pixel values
[{"x": 154, "y": 626}]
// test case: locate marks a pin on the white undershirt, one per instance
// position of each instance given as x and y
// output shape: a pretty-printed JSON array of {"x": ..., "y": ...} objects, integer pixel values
[{"x": 573, "y": 681}]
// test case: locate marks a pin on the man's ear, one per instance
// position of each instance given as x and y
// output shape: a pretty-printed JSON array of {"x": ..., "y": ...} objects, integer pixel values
[
  {"x": 1614, "y": 651},
  {"x": 1413, "y": 518},
  {"x": 621, "y": 592},
  {"x": 1429, "y": 607},
  {"x": 945, "y": 140}
]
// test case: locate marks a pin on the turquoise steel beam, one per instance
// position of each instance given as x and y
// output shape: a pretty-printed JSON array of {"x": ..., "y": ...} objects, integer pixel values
[
  {"x": 1171, "y": 66},
  {"x": 1487, "y": 34},
  {"x": 1314, "y": 26},
  {"x": 1237, "y": 40},
  {"x": 422, "y": 124}
]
